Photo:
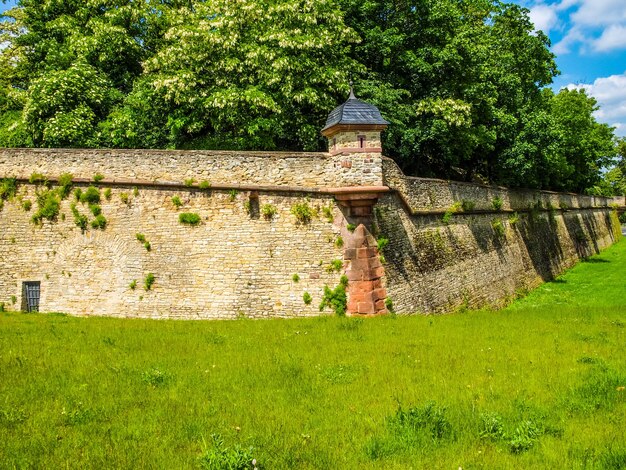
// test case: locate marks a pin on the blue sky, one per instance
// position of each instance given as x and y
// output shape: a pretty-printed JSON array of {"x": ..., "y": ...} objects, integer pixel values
[{"x": 589, "y": 40}]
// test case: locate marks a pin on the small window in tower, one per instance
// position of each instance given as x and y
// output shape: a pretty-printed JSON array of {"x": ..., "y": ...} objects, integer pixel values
[
  {"x": 361, "y": 141},
  {"x": 334, "y": 142}
]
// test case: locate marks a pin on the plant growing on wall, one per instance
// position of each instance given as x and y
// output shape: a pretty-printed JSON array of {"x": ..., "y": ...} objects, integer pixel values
[
  {"x": 204, "y": 184},
  {"x": 328, "y": 213},
  {"x": 38, "y": 178},
  {"x": 26, "y": 205},
  {"x": 382, "y": 243},
  {"x": 107, "y": 194},
  {"x": 99, "y": 222},
  {"x": 351, "y": 227},
  {"x": 98, "y": 177},
  {"x": 142, "y": 239},
  {"x": 498, "y": 227},
  {"x": 336, "y": 298},
  {"x": 513, "y": 219},
  {"x": 79, "y": 219},
  {"x": 302, "y": 212},
  {"x": 335, "y": 266},
  {"x": 453, "y": 209},
  {"x": 189, "y": 218},
  {"x": 190, "y": 182},
  {"x": 295, "y": 278},
  {"x": 49, "y": 205},
  {"x": 177, "y": 202},
  {"x": 232, "y": 195},
  {"x": 268, "y": 211},
  {"x": 149, "y": 281},
  {"x": 95, "y": 209},
  {"x": 8, "y": 188},
  {"x": 90, "y": 196},
  {"x": 306, "y": 297},
  {"x": 124, "y": 198},
  {"x": 467, "y": 205},
  {"x": 65, "y": 185},
  {"x": 497, "y": 203}
]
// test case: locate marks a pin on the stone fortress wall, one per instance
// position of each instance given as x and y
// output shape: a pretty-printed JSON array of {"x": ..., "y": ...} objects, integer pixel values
[
  {"x": 275, "y": 234},
  {"x": 468, "y": 245},
  {"x": 449, "y": 246}
]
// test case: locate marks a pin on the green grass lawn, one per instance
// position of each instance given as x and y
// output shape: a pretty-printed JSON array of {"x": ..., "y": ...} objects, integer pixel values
[{"x": 537, "y": 385}]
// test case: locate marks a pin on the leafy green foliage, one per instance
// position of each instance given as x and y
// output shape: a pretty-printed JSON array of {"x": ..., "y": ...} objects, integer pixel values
[
  {"x": 336, "y": 298},
  {"x": 498, "y": 227},
  {"x": 49, "y": 205},
  {"x": 335, "y": 265},
  {"x": 8, "y": 188},
  {"x": 429, "y": 419},
  {"x": 90, "y": 196},
  {"x": 148, "y": 282},
  {"x": 80, "y": 220},
  {"x": 306, "y": 298},
  {"x": 177, "y": 202},
  {"x": 189, "y": 218},
  {"x": 65, "y": 185},
  {"x": 219, "y": 457},
  {"x": 99, "y": 222},
  {"x": 268, "y": 211},
  {"x": 302, "y": 212},
  {"x": 463, "y": 83}
]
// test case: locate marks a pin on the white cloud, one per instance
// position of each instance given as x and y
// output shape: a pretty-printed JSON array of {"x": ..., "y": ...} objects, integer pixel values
[
  {"x": 610, "y": 92},
  {"x": 544, "y": 17},
  {"x": 590, "y": 25},
  {"x": 600, "y": 13},
  {"x": 612, "y": 38}
]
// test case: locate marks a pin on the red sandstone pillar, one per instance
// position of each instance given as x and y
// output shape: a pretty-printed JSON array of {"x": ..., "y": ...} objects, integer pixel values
[{"x": 366, "y": 294}]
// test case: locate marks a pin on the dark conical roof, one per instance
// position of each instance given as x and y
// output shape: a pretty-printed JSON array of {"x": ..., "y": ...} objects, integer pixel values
[{"x": 354, "y": 111}]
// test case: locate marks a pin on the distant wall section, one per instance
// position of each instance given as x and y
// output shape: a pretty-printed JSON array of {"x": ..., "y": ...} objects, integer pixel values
[{"x": 456, "y": 244}]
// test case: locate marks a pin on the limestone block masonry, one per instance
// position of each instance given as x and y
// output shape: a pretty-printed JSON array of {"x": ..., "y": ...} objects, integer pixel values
[{"x": 252, "y": 255}]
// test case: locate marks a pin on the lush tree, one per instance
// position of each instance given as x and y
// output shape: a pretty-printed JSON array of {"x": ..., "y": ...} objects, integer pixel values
[
  {"x": 251, "y": 73},
  {"x": 587, "y": 145},
  {"x": 453, "y": 77},
  {"x": 69, "y": 62},
  {"x": 462, "y": 82}
]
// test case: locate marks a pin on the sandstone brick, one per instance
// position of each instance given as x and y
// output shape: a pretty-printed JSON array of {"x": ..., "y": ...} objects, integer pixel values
[{"x": 366, "y": 308}]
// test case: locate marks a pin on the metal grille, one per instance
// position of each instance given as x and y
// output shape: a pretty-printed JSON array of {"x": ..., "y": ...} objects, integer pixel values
[{"x": 31, "y": 295}]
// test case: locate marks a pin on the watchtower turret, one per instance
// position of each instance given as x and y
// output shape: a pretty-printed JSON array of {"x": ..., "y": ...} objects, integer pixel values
[{"x": 354, "y": 127}]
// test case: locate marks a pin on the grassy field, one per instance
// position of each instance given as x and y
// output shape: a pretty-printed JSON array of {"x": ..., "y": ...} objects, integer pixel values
[{"x": 538, "y": 385}]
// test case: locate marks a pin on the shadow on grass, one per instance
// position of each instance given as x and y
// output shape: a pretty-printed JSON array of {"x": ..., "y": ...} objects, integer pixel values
[{"x": 595, "y": 260}]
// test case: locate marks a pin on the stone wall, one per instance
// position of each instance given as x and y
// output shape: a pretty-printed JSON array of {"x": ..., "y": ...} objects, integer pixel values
[
  {"x": 239, "y": 262},
  {"x": 457, "y": 244},
  {"x": 236, "y": 262},
  {"x": 221, "y": 169}
]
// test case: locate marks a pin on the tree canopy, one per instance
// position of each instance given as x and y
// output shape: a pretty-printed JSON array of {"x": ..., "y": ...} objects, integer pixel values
[{"x": 462, "y": 83}]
